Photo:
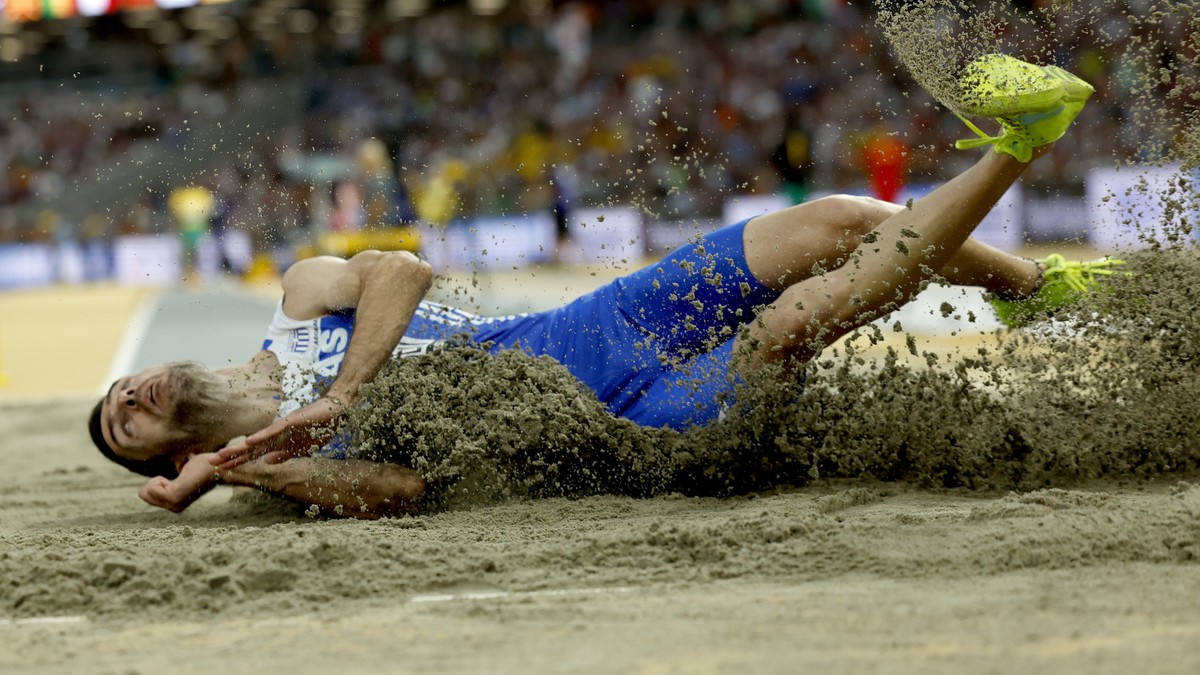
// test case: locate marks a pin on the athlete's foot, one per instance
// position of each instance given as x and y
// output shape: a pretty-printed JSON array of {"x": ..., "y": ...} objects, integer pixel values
[
  {"x": 1039, "y": 151},
  {"x": 1062, "y": 282},
  {"x": 1034, "y": 105}
]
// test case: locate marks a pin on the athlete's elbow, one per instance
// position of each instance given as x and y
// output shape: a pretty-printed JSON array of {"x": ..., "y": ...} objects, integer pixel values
[
  {"x": 405, "y": 493},
  {"x": 422, "y": 274}
]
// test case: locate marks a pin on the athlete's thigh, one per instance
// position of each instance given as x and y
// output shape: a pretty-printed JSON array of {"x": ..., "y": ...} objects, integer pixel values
[
  {"x": 691, "y": 394},
  {"x": 696, "y": 297},
  {"x": 786, "y": 247}
]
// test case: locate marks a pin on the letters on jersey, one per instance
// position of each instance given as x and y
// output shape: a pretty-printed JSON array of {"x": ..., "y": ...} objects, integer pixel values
[{"x": 311, "y": 351}]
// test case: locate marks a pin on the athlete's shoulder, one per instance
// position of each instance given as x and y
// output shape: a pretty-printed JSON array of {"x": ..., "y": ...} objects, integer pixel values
[{"x": 305, "y": 283}]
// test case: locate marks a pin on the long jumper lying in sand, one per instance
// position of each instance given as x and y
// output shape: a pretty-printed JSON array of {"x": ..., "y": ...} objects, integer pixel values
[{"x": 741, "y": 298}]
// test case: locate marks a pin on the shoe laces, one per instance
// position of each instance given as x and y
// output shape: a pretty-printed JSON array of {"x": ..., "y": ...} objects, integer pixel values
[
  {"x": 983, "y": 138},
  {"x": 1076, "y": 275},
  {"x": 1012, "y": 143}
]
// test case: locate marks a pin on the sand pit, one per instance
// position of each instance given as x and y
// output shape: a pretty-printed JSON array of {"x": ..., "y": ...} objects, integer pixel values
[
  {"x": 1054, "y": 572},
  {"x": 857, "y": 576},
  {"x": 906, "y": 520}
]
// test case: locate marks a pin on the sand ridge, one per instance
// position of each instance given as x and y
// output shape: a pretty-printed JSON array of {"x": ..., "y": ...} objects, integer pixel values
[
  {"x": 245, "y": 556},
  {"x": 1051, "y": 579}
]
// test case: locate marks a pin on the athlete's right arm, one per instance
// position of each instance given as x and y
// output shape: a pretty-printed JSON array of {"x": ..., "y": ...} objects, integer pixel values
[
  {"x": 385, "y": 289},
  {"x": 317, "y": 286}
]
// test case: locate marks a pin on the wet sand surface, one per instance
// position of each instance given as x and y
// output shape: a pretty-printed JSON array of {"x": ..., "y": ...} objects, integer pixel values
[{"x": 859, "y": 576}]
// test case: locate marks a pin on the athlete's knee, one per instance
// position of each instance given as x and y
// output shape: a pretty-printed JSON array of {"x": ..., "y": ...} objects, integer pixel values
[
  {"x": 834, "y": 218},
  {"x": 800, "y": 323},
  {"x": 851, "y": 215}
]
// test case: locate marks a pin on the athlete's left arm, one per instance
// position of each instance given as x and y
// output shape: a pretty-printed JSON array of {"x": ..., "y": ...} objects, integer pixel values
[
  {"x": 385, "y": 290},
  {"x": 195, "y": 478},
  {"x": 351, "y": 488}
]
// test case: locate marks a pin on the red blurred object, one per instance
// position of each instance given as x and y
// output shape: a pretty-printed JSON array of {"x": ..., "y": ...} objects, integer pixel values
[
  {"x": 118, "y": 5},
  {"x": 885, "y": 159},
  {"x": 37, "y": 10}
]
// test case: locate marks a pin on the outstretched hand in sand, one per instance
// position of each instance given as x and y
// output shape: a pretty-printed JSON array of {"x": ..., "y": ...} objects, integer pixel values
[{"x": 196, "y": 477}]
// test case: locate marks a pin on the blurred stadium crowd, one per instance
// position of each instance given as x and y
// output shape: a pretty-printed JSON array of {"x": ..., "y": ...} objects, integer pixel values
[{"x": 430, "y": 112}]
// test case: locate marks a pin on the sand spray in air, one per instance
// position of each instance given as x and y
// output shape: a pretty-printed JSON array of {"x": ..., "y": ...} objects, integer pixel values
[{"x": 1105, "y": 387}]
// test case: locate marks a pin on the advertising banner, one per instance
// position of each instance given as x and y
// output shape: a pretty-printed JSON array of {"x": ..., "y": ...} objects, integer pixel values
[
  {"x": 612, "y": 236},
  {"x": 1129, "y": 205},
  {"x": 23, "y": 265}
]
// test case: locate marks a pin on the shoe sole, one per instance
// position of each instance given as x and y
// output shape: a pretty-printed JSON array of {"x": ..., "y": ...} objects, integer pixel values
[
  {"x": 1076, "y": 92},
  {"x": 1047, "y": 90},
  {"x": 1075, "y": 88}
]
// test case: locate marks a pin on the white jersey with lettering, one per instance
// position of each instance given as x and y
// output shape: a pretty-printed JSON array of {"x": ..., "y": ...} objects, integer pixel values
[{"x": 311, "y": 351}]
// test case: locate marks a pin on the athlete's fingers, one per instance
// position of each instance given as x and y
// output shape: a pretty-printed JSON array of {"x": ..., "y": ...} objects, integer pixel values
[
  {"x": 155, "y": 493},
  {"x": 285, "y": 447},
  {"x": 268, "y": 432},
  {"x": 230, "y": 452},
  {"x": 235, "y": 455},
  {"x": 227, "y": 461},
  {"x": 250, "y": 446},
  {"x": 278, "y": 457},
  {"x": 234, "y": 462}
]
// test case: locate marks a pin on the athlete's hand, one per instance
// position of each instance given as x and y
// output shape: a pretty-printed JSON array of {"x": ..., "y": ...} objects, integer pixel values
[
  {"x": 297, "y": 435},
  {"x": 195, "y": 478},
  {"x": 157, "y": 492}
]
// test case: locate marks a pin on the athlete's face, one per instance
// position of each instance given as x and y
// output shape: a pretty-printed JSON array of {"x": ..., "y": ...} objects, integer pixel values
[{"x": 159, "y": 410}]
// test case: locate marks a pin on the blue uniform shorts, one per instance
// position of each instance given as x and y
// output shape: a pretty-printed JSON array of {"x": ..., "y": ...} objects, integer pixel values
[{"x": 655, "y": 345}]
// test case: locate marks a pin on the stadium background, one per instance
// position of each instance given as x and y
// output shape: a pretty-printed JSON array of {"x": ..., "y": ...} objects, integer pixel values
[
  {"x": 492, "y": 136},
  {"x": 266, "y": 127}
]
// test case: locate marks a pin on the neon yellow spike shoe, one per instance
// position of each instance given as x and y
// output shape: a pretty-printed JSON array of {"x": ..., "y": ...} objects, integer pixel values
[
  {"x": 1063, "y": 282},
  {"x": 1034, "y": 105}
]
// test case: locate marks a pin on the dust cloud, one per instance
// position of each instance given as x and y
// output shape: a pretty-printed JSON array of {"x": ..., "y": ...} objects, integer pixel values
[{"x": 1105, "y": 387}]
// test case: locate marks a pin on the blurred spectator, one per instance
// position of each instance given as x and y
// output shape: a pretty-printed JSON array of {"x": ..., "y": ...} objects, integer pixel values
[
  {"x": 672, "y": 107},
  {"x": 94, "y": 237},
  {"x": 224, "y": 202},
  {"x": 793, "y": 159},
  {"x": 191, "y": 206},
  {"x": 885, "y": 161}
]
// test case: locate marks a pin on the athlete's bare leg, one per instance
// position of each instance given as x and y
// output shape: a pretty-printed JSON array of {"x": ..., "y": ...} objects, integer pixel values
[
  {"x": 785, "y": 247},
  {"x": 885, "y": 269}
]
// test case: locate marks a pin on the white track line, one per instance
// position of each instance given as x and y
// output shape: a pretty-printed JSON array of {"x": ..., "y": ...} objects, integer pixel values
[
  {"x": 43, "y": 621},
  {"x": 416, "y": 599},
  {"x": 494, "y": 595},
  {"x": 139, "y": 323}
]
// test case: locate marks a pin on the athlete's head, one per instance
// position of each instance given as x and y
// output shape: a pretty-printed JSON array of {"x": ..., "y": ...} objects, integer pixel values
[{"x": 151, "y": 418}]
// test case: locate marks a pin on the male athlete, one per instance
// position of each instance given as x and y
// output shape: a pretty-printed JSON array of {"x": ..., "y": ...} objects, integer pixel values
[{"x": 743, "y": 297}]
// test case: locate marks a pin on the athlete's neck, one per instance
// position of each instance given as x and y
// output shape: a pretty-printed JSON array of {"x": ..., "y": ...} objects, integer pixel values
[{"x": 252, "y": 394}]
